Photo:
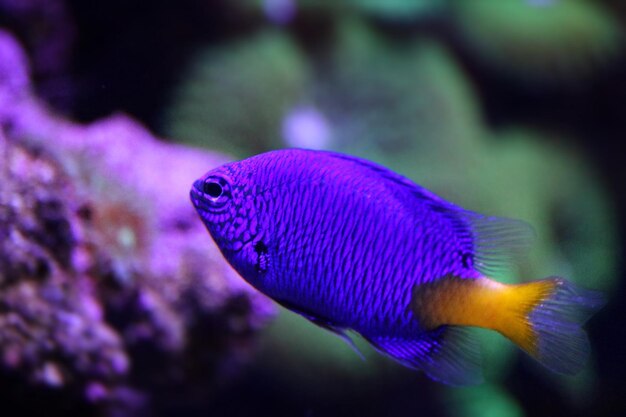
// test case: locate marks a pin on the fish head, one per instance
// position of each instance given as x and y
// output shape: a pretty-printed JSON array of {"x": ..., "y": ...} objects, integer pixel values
[{"x": 227, "y": 200}]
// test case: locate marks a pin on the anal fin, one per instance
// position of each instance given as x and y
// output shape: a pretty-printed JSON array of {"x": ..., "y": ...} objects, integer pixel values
[{"x": 448, "y": 354}]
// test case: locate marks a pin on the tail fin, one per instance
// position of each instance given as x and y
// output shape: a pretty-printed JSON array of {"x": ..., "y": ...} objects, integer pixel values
[
  {"x": 553, "y": 321},
  {"x": 543, "y": 317}
]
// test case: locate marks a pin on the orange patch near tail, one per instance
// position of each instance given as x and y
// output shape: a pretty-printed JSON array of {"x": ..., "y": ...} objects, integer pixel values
[{"x": 483, "y": 303}]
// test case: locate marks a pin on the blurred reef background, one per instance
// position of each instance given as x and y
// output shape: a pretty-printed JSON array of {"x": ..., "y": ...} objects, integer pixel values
[{"x": 115, "y": 302}]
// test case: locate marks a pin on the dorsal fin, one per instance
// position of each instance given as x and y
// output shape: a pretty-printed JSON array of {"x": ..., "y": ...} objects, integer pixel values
[{"x": 496, "y": 243}]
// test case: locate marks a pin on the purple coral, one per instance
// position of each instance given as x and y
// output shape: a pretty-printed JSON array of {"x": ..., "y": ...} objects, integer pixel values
[{"x": 110, "y": 290}]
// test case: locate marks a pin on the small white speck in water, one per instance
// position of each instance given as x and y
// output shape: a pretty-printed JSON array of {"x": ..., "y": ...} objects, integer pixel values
[{"x": 126, "y": 237}]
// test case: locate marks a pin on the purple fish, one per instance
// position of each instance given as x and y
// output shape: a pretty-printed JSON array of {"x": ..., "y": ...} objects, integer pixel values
[{"x": 351, "y": 245}]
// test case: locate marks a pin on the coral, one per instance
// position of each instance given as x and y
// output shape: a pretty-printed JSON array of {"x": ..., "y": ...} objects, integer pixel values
[
  {"x": 234, "y": 97},
  {"x": 111, "y": 291},
  {"x": 548, "y": 40},
  {"x": 397, "y": 9},
  {"x": 381, "y": 97}
]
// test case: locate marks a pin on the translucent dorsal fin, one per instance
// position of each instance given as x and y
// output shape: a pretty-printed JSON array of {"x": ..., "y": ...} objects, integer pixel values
[{"x": 498, "y": 243}]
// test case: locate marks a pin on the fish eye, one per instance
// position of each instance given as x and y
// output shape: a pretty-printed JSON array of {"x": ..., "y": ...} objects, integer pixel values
[
  {"x": 213, "y": 189},
  {"x": 216, "y": 190}
]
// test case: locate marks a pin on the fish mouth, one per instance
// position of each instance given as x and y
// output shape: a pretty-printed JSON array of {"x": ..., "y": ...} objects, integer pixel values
[
  {"x": 197, "y": 197},
  {"x": 194, "y": 196},
  {"x": 203, "y": 205}
]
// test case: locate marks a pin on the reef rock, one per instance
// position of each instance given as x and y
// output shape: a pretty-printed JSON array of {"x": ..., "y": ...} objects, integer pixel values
[{"x": 113, "y": 298}]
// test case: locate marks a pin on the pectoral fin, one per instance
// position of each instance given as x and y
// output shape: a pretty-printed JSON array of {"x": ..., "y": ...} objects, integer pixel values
[{"x": 325, "y": 324}]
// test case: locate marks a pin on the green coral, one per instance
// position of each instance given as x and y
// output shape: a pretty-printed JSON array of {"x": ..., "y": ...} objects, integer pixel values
[
  {"x": 411, "y": 108},
  {"x": 398, "y": 9},
  {"x": 383, "y": 97},
  {"x": 545, "y": 39},
  {"x": 233, "y": 98},
  {"x": 391, "y": 9}
]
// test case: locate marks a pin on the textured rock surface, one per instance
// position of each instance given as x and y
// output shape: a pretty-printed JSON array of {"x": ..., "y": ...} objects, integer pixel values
[{"x": 111, "y": 291}]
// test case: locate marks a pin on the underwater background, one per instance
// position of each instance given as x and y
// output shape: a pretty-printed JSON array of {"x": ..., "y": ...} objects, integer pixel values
[{"x": 113, "y": 299}]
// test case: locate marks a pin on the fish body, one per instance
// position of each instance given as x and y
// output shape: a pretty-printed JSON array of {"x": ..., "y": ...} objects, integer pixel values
[{"x": 351, "y": 245}]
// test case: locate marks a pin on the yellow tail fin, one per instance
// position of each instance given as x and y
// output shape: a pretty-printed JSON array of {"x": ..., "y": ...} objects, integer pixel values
[{"x": 543, "y": 318}]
